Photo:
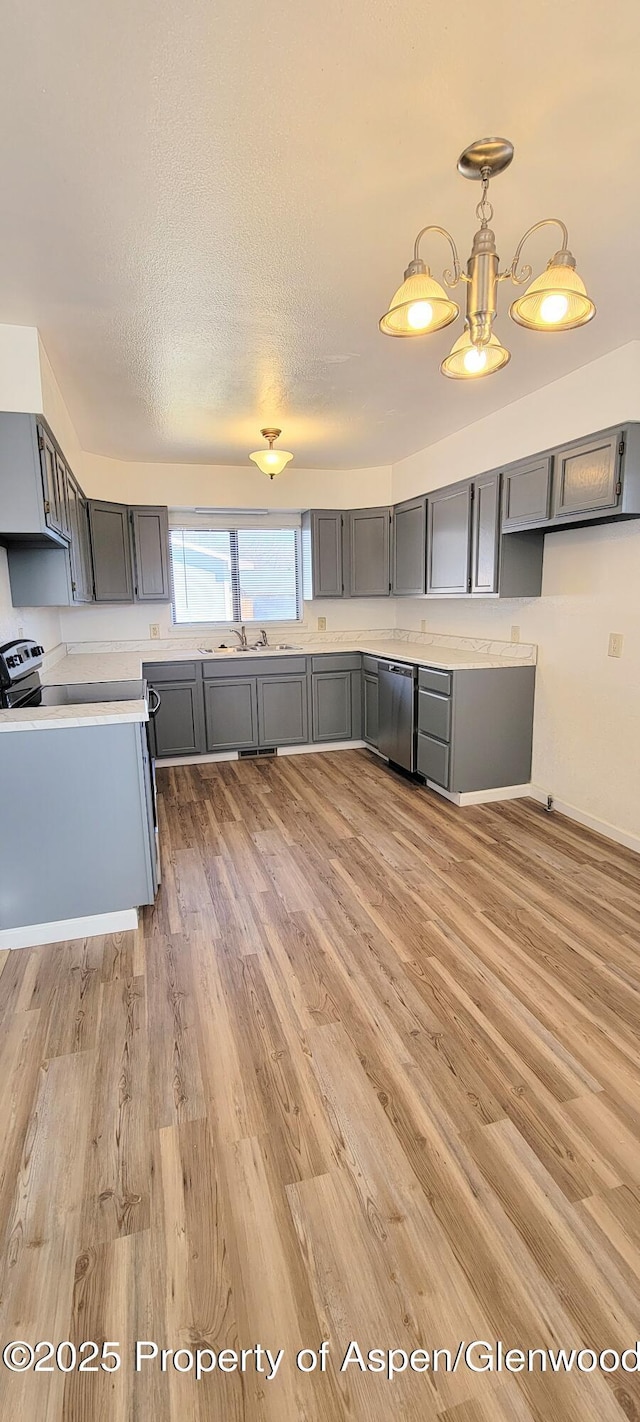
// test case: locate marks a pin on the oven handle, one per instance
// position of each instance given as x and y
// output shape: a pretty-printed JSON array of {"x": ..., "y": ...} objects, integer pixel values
[{"x": 155, "y": 707}]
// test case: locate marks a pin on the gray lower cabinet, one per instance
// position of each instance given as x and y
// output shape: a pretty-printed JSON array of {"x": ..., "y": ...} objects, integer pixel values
[
  {"x": 231, "y": 713},
  {"x": 370, "y": 552},
  {"x": 449, "y": 540},
  {"x": 111, "y": 551},
  {"x": 370, "y": 707},
  {"x": 475, "y": 728},
  {"x": 150, "y": 537},
  {"x": 95, "y": 781},
  {"x": 322, "y": 553},
  {"x": 178, "y": 726},
  {"x": 331, "y": 710},
  {"x": 409, "y": 548},
  {"x": 527, "y": 492},
  {"x": 282, "y": 710}
]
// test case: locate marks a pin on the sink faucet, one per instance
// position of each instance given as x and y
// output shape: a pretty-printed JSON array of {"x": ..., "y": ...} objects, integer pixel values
[
  {"x": 241, "y": 635},
  {"x": 263, "y": 638}
]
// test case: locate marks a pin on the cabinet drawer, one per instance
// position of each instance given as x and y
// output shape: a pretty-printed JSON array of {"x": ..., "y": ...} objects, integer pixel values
[
  {"x": 370, "y": 664},
  {"x": 433, "y": 680},
  {"x": 169, "y": 671},
  {"x": 337, "y": 662},
  {"x": 433, "y": 760},
  {"x": 434, "y": 714},
  {"x": 244, "y": 665}
]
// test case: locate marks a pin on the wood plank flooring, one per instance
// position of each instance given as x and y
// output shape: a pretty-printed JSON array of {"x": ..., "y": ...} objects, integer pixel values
[{"x": 369, "y": 1070}]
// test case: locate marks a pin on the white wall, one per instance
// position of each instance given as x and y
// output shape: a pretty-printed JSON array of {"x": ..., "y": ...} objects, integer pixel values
[
  {"x": 20, "y": 384},
  {"x": 587, "y": 718}
]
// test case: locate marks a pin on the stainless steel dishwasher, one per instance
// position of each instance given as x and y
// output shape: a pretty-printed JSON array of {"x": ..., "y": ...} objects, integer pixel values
[{"x": 396, "y": 713}]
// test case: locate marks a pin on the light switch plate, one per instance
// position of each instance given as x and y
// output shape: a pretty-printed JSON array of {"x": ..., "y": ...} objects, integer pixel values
[
  {"x": 423, "y": 625},
  {"x": 322, "y": 624},
  {"x": 615, "y": 644},
  {"x": 154, "y": 629},
  {"x": 515, "y": 634}
]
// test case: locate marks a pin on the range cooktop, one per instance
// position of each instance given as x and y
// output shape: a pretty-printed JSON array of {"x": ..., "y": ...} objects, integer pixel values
[{"x": 82, "y": 693}]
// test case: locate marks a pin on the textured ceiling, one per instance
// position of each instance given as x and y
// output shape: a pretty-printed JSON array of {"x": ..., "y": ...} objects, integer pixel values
[{"x": 206, "y": 206}]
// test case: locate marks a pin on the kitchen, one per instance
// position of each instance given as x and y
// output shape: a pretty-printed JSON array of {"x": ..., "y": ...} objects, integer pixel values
[{"x": 319, "y": 856}]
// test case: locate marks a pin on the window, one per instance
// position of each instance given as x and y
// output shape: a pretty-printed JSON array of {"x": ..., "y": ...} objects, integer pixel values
[{"x": 235, "y": 574}]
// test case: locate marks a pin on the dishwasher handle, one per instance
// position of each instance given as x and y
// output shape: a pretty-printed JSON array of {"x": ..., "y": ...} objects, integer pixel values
[{"x": 398, "y": 669}]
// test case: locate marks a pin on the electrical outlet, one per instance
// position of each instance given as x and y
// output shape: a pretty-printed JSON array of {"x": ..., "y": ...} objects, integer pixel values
[
  {"x": 154, "y": 629},
  {"x": 615, "y": 644},
  {"x": 515, "y": 634},
  {"x": 322, "y": 624},
  {"x": 423, "y": 624},
  {"x": 19, "y": 630}
]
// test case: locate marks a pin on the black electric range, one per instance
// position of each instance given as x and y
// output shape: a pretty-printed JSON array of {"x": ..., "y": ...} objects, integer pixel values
[{"x": 20, "y": 684}]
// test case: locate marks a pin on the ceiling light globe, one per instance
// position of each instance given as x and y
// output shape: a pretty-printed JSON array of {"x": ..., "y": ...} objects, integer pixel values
[
  {"x": 419, "y": 306},
  {"x": 468, "y": 362},
  {"x": 420, "y": 315},
  {"x": 555, "y": 301}
]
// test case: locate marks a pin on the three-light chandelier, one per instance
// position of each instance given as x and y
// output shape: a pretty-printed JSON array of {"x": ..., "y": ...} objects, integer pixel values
[{"x": 555, "y": 301}]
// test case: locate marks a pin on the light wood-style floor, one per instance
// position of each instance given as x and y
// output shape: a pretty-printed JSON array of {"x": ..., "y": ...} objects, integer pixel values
[{"x": 369, "y": 1071}]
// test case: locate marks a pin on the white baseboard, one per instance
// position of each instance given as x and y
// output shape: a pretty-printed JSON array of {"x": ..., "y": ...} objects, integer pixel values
[
  {"x": 325, "y": 746},
  {"x": 196, "y": 759},
  {"x": 481, "y": 797},
  {"x": 92, "y": 927},
  {"x": 281, "y": 750},
  {"x": 609, "y": 831}
]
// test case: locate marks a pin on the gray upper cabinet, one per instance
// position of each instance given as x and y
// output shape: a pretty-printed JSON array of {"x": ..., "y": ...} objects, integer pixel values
[
  {"x": 527, "y": 493},
  {"x": 586, "y": 477},
  {"x": 231, "y": 713},
  {"x": 63, "y": 478},
  {"x": 449, "y": 540},
  {"x": 485, "y": 534},
  {"x": 111, "y": 551},
  {"x": 178, "y": 727},
  {"x": 79, "y": 548},
  {"x": 282, "y": 710},
  {"x": 150, "y": 529},
  {"x": 409, "y": 548},
  {"x": 322, "y": 553},
  {"x": 370, "y": 552}
]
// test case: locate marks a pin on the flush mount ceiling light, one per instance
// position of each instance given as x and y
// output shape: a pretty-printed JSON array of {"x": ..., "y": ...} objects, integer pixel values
[
  {"x": 271, "y": 461},
  {"x": 556, "y": 301}
]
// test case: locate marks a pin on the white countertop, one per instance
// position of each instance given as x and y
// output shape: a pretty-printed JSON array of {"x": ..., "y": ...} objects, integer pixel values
[{"x": 121, "y": 665}]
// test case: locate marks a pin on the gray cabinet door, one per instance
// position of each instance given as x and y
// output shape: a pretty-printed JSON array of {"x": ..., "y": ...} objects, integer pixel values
[
  {"x": 63, "y": 478},
  {"x": 586, "y": 477},
  {"x": 409, "y": 548},
  {"x": 231, "y": 713},
  {"x": 178, "y": 723},
  {"x": 49, "y": 471},
  {"x": 370, "y": 551},
  {"x": 449, "y": 539},
  {"x": 527, "y": 493},
  {"x": 111, "y": 551},
  {"x": 370, "y": 708},
  {"x": 485, "y": 534},
  {"x": 150, "y": 527},
  {"x": 282, "y": 710},
  {"x": 331, "y": 706},
  {"x": 81, "y": 575},
  {"x": 326, "y": 553}
]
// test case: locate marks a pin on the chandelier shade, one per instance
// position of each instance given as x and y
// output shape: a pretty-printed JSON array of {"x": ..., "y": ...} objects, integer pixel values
[
  {"x": 467, "y": 361},
  {"x": 271, "y": 461},
  {"x": 556, "y": 301},
  {"x": 421, "y": 304}
]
